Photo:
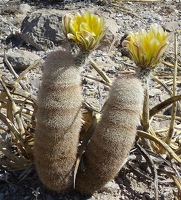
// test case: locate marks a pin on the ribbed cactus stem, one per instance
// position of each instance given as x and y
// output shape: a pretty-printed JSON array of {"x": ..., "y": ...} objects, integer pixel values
[
  {"x": 58, "y": 121},
  {"x": 113, "y": 136}
]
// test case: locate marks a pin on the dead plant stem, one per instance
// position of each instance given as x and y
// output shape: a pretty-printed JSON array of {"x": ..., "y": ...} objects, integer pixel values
[
  {"x": 13, "y": 72},
  {"x": 160, "y": 142},
  {"x": 174, "y": 105},
  {"x": 101, "y": 73},
  {"x": 145, "y": 119}
]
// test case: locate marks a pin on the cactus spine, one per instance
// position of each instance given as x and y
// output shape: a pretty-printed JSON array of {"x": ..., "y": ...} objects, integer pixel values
[
  {"x": 58, "y": 121},
  {"x": 113, "y": 136}
]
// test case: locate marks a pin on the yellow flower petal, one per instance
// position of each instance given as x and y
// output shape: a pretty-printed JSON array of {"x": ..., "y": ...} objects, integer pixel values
[
  {"x": 146, "y": 47},
  {"x": 85, "y": 29}
]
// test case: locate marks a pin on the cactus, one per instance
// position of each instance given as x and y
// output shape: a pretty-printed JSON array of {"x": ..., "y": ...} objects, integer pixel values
[
  {"x": 113, "y": 136},
  {"x": 58, "y": 122}
]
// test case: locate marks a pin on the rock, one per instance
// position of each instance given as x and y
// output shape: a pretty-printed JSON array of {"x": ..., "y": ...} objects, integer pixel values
[
  {"x": 171, "y": 26},
  {"x": 6, "y": 26},
  {"x": 111, "y": 70},
  {"x": 24, "y": 8},
  {"x": 163, "y": 124},
  {"x": 21, "y": 59},
  {"x": 110, "y": 187},
  {"x": 164, "y": 96},
  {"x": 113, "y": 27},
  {"x": 110, "y": 37},
  {"x": 154, "y": 91},
  {"x": 42, "y": 29},
  {"x": 158, "y": 17}
]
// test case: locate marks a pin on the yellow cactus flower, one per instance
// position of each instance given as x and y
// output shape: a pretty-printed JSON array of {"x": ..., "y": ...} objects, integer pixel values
[
  {"x": 85, "y": 29},
  {"x": 146, "y": 47}
]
